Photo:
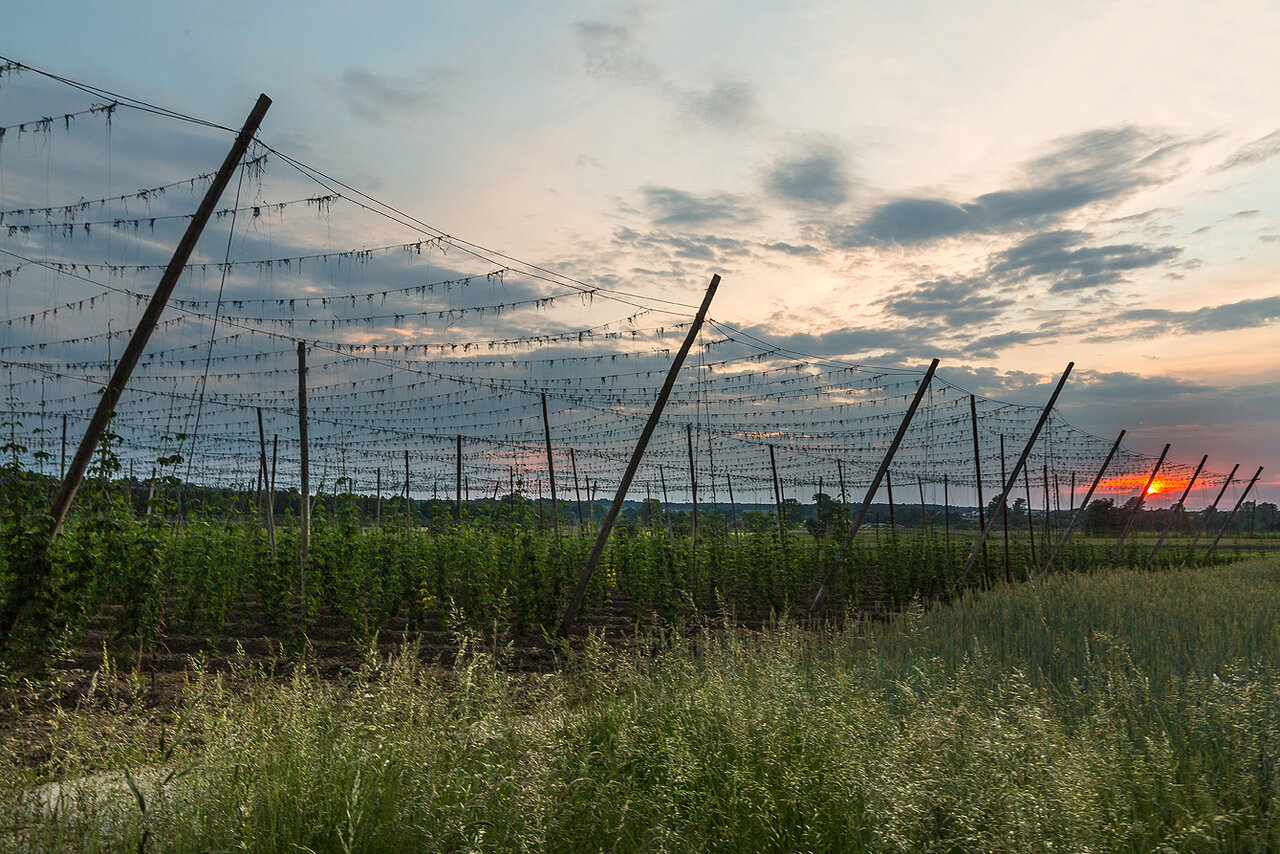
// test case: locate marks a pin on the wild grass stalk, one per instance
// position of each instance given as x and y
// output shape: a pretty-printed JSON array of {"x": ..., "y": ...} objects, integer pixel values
[{"x": 1116, "y": 712}]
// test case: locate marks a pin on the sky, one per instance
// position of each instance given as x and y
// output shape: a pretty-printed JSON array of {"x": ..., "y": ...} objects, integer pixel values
[{"x": 1005, "y": 186}]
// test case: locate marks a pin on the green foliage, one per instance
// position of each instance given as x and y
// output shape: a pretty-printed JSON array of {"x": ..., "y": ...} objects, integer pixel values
[{"x": 1041, "y": 717}]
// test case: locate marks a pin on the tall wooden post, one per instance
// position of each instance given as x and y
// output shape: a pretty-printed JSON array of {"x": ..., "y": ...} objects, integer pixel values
[
  {"x": 924, "y": 525},
  {"x": 1209, "y": 553},
  {"x": 1004, "y": 518},
  {"x": 1208, "y": 514},
  {"x": 577, "y": 491},
  {"x": 1008, "y": 484},
  {"x": 63, "y": 470},
  {"x": 1137, "y": 510},
  {"x": 946, "y": 513},
  {"x": 872, "y": 488},
  {"x": 1079, "y": 512},
  {"x": 666, "y": 505},
  {"x": 551, "y": 467},
  {"x": 693, "y": 489},
  {"x": 1178, "y": 510},
  {"x": 733, "y": 505},
  {"x": 1031, "y": 525},
  {"x": 580, "y": 590},
  {"x": 888, "y": 488},
  {"x": 777, "y": 499},
  {"x": 1044, "y": 530},
  {"x": 150, "y": 318},
  {"x": 408, "y": 502},
  {"x": 977, "y": 478},
  {"x": 304, "y": 506},
  {"x": 377, "y": 512},
  {"x": 458, "y": 482},
  {"x": 267, "y": 481}
]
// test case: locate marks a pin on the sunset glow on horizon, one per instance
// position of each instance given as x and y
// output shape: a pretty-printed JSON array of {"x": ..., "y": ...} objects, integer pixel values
[{"x": 1133, "y": 483}]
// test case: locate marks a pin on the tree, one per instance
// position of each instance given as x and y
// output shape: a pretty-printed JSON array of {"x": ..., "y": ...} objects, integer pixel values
[{"x": 1102, "y": 516}]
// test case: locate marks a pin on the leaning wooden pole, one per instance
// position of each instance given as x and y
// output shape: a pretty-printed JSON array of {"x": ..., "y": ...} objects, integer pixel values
[
  {"x": 577, "y": 490},
  {"x": 873, "y": 488},
  {"x": 1209, "y": 552},
  {"x": 1208, "y": 513},
  {"x": 1176, "y": 514},
  {"x": 551, "y": 467},
  {"x": 580, "y": 589},
  {"x": 1013, "y": 477},
  {"x": 1079, "y": 512},
  {"x": 150, "y": 318},
  {"x": 1137, "y": 510},
  {"x": 270, "y": 508}
]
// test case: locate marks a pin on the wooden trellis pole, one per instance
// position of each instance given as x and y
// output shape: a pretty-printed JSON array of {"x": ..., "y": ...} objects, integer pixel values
[
  {"x": 1031, "y": 524},
  {"x": 777, "y": 498},
  {"x": 977, "y": 468},
  {"x": 872, "y": 488},
  {"x": 304, "y": 472},
  {"x": 580, "y": 590},
  {"x": 1208, "y": 513},
  {"x": 1137, "y": 510},
  {"x": 1209, "y": 553},
  {"x": 1176, "y": 514},
  {"x": 150, "y": 318},
  {"x": 551, "y": 467},
  {"x": 577, "y": 491},
  {"x": 1013, "y": 476},
  {"x": 267, "y": 483},
  {"x": 1079, "y": 512},
  {"x": 733, "y": 505},
  {"x": 1004, "y": 518},
  {"x": 693, "y": 488},
  {"x": 946, "y": 512}
]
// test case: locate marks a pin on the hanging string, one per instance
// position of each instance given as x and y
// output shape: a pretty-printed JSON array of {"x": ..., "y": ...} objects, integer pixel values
[{"x": 204, "y": 377}]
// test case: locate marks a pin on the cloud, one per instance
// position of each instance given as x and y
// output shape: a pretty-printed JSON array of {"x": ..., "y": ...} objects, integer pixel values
[
  {"x": 1254, "y": 153},
  {"x": 854, "y": 341},
  {"x": 955, "y": 302},
  {"x": 662, "y": 246},
  {"x": 1245, "y": 314},
  {"x": 669, "y": 206},
  {"x": 1099, "y": 166},
  {"x": 725, "y": 104},
  {"x": 1061, "y": 258},
  {"x": 818, "y": 176},
  {"x": 378, "y": 97},
  {"x": 610, "y": 51}
]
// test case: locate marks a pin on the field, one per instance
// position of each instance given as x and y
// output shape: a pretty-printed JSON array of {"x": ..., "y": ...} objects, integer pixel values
[{"x": 1106, "y": 711}]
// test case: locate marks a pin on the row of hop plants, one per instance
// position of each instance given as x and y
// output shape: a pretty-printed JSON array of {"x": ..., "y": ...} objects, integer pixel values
[{"x": 155, "y": 575}]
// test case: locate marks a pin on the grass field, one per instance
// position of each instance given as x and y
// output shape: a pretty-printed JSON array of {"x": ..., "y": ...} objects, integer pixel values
[{"x": 1119, "y": 711}]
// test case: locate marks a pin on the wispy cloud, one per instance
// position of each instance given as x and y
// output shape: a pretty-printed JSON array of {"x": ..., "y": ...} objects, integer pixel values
[
  {"x": 1256, "y": 152},
  {"x": 1100, "y": 166},
  {"x": 612, "y": 50},
  {"x": 1245, "y": 314},
  {"x": 1067, "y": 263},
  {"x": 668, "y": 206},
  {"x": 379, "y": 97}
]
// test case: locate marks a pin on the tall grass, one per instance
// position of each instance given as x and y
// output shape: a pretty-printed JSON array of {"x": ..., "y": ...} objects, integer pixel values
[{"x": 1120, "y": 712}]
